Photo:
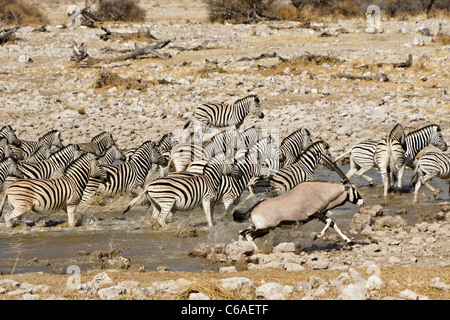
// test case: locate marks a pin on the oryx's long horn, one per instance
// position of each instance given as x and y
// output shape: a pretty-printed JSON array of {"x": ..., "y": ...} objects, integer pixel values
[{"x": 333, "y": 166}]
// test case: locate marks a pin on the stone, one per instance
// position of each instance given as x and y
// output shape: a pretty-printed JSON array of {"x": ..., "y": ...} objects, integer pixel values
[
  {"x": 229, "y": 269},
  {"x": 411, "y": 295},
  {"x": 374, "y": 283},
  {"x": 273, "y": 291},
  {"x": 112, "y": 293},
  {"x": 284, "y": 247},
  {"x": 354, "y": 291},
  {"x": 439, "y": 284},
  {"x": 239, "y": 250},
  {"x": 199, "y": 296}
]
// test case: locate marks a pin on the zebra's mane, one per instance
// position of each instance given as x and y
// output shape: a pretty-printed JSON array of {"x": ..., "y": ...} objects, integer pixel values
[
  {"x": 101, "y": 136},
  {"x": 438, "y": 128}
]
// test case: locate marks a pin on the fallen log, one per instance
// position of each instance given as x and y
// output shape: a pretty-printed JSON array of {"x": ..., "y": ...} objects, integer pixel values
[
  {"x": 144, "y": 34},
  {"x": 81, "y": 56},
  {"x": 380, "y": 76},
  {"x": 8, "y": 34}
]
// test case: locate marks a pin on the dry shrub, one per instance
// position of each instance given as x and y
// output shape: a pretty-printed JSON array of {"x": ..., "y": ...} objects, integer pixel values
[
  {"x": 26, "y": 13},
  {"x": 288, "y": 13},
  {"x": 120, "y": 10},
  {"x": 108, "y": 79},
  {"x": 222, "y": 10},
  {"x": 314, "y": 9},
  {"x": 299, "y": 64}
]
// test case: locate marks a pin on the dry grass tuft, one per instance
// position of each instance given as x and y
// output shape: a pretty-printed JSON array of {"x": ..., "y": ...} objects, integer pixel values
[
  {"x": 27, "y": 14},
  {"x": 212, "y": 289}
]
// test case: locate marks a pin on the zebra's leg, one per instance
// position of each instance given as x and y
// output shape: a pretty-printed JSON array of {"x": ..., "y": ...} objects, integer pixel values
[
  {"x": 360, "y": 173},
  {"x": 416, "y": 190},
  {"x": 14, "y": 214},
  {"x": 71, "y": 212},
  {"x": 208, "y": 208},
  {"x": 165, "y": 211},
  {"x": 400, "y": 176},
  {"x": 385, "y": 178}
]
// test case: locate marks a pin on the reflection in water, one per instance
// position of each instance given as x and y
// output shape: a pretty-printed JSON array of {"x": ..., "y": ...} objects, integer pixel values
[{"x": 54, "y": 247}]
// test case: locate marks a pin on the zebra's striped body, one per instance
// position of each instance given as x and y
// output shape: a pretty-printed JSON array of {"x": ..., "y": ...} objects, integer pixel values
[
  {"x": 302, "y": 170},
  {"x": 41, "y": 154},
  {"x": 432, "y": 164},
  {"x": 29, "y": 148},
  {"x": 9, "y": 134},
  {"x": 54, "y": 166},
  {"x": 225, "y": 114},
  {"x": 98, "y": 144},
  {"x": 292, "y": 146},
  {"x": 8, "y": 168},
  {"x": 51, "y": 195},
  {"x": 389, "y": 156},
  {"x": 127, "y": 177}
]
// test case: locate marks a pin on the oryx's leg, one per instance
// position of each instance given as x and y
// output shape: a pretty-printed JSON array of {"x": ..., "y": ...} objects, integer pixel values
[{"x": 330, "y": 223}]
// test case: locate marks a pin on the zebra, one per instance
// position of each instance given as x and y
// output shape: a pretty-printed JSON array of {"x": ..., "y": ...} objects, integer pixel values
[
  {"x": 302, "y": 170},
  {"x": 127, "y": 177},
  {"x": 28, "y": 148},
  {"x": 293, "y": 145},
  {"x": 5, "y": 150},
  {"x": 390, "y": 157},
  {"x": 225, "y": 114},
  {"x": 110, "y": 155},
  {"x": 54, "y": 166},
  {"x": 417, "y": 140},
  {"x": 430, "y": 165},
  {"x": 185, "y": 192},
  {"x": 8, "y": 168},
  {"x": 52, "y": 195},
  {"x": 98, "y": 144},
  {"x": 361, "y": 155},
  {"x": 41, "y": 154},
  {"x": 9, "y": 134}
]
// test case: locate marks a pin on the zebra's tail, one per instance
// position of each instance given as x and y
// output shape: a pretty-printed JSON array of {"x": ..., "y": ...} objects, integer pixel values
[
  {"x": 342, "y": 156},
  {"x": 415, "y": 177},
  {"x": 135, "y": 200}
]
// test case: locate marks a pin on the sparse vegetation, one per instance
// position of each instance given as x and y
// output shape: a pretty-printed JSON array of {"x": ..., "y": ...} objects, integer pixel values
[
  {"x": 26, "y": 13},
  {"x": 221, "y": 10},
  {"x": 120, "y": 10}
]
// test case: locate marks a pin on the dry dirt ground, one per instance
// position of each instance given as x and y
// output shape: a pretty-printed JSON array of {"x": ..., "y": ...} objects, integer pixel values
[{"x": 153, "y": 95}]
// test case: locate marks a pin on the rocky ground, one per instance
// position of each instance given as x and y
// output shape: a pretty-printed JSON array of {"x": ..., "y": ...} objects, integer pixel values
[{"x": 42, "y": 89}]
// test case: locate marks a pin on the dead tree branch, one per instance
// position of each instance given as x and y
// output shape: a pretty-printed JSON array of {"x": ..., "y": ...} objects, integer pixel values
[
  {"x": 378, "y": 77},
  {"x": 144, "y": 34},
  {"x": 81, "y": 56},
  {"x": 8, "y": 34}
]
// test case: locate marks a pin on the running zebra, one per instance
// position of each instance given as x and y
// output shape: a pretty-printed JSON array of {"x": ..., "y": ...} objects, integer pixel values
[
  {"x": 51, "y": 195},
  {"x": 417, "y": 140},
  {"x": 98, "y": 144},
  {"x": 361, "y": 155},
  {"x": 432, "y": 164},
  {"x": 5, "y": 150},
  {"x": 225, "y": 114},
  {"x": 302, "y": 170},
  {"x": 292, "y": 146},
  {"x": 54, "y": 166},
  {"x": 9, "y": 134},
  {"x": 185, "y": 192},
  {"x": 8, "y": 168},
  {"x": 28, "y": 148},
  {"x": 127, "y": 177}
]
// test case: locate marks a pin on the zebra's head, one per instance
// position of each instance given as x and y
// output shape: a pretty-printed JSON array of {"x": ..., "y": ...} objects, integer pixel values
[
  {"x": 437, "y": 139},
  {"x": 307, "y": 140},
  {"x": 10, "y": 135},
  {"x": 5, "y": 150},
  {"x": 13, "y": 170},
  {"x": 57, "y": 141},
  {"x": 353, "y": 195},
  {"x": 254, "y": 107}
]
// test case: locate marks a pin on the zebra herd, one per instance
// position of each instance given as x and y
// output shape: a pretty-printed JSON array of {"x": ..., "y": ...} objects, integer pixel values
[{"x": 197, "y": 169}]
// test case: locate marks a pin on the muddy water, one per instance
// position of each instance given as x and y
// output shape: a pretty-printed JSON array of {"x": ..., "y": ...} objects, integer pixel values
[{"x": 49, "y": 246}]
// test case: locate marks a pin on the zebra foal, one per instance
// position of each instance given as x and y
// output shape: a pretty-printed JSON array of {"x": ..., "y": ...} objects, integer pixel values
[{"x": 51, "y": 195}]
